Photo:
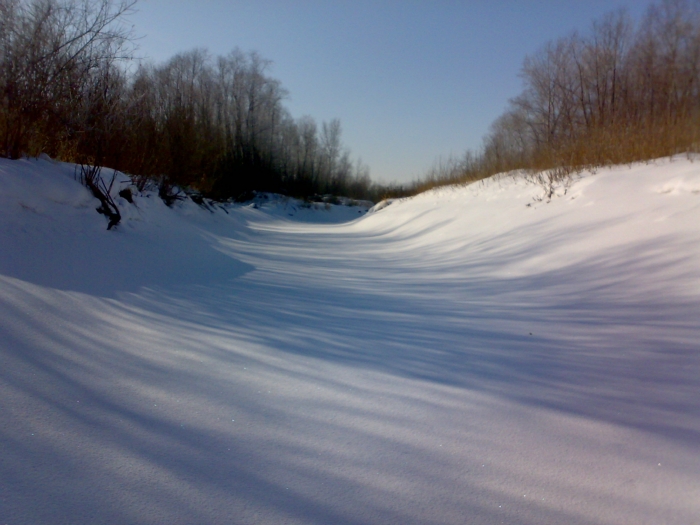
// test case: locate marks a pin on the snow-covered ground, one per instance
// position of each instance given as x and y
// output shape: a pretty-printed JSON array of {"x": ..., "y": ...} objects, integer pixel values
[{"x": 472, "y": 355}]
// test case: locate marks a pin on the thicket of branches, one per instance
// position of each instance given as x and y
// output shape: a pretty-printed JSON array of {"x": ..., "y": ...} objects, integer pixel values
[
  {"x": 219, "y": 125},
  {"x": 70, "y": 88},
  {"x": 615, "y": 95},
  {"x": 53, "y": 56}
]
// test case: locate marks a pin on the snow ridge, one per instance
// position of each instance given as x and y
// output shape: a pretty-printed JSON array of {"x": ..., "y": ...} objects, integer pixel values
[{"x": 475, "y": 352}]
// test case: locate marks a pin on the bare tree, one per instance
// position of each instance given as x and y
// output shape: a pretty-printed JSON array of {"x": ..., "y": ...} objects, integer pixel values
[
  {"x": 50, "y": 49},
  {"x": 219, "y": 126}
]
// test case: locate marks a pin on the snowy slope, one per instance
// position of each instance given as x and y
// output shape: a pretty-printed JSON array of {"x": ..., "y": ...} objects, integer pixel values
[{"x": 472, "y": 355}]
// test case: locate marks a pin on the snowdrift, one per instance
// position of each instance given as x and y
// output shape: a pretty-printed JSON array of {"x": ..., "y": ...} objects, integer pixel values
[{"x": 479, "y": 354}]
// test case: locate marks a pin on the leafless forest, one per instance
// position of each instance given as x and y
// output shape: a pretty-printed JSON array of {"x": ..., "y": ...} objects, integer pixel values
[
  {"x": 618, "y": 93},
  {"x": 71, "y": 87}
]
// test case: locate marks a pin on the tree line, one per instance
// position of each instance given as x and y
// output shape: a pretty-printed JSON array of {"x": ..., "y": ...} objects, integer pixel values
[
  {"x": 618, "y": 94},
  {"x": 70, "y": 87}
]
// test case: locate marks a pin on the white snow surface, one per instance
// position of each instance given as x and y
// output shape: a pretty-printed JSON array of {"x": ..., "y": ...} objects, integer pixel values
[{"x": 476, "y": 354}]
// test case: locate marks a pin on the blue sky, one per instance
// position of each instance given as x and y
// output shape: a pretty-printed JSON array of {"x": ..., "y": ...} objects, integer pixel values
[{"x": 411, "y": 81}]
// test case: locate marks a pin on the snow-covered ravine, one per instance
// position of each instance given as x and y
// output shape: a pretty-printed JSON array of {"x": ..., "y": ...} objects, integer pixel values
[{"x": 472, "y": 355}]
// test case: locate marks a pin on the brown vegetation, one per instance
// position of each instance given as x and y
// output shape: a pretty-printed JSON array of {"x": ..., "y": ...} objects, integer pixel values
[
  {"x": 616, "y": 95},
  {"x": 216, "y": 125}
]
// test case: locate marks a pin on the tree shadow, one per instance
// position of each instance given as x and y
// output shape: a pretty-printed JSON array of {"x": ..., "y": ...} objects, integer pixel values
[{"x": 199, "y": 404}]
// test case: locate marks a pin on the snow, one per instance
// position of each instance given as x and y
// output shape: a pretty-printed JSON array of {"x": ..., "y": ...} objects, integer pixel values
[{"x": 478, "y": 354}]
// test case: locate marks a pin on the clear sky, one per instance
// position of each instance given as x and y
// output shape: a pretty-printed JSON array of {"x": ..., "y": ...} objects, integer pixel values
[{"x": 410, "y": 80}]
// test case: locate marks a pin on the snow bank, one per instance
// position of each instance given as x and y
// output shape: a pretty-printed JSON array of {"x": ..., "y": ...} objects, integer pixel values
[
  {"x": 53, "y": 236},
  {"x": 478, "y": 353}
]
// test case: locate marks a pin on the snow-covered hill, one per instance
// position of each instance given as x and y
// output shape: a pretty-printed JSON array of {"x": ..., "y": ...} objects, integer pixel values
[{"x": 478, "y": 354}]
